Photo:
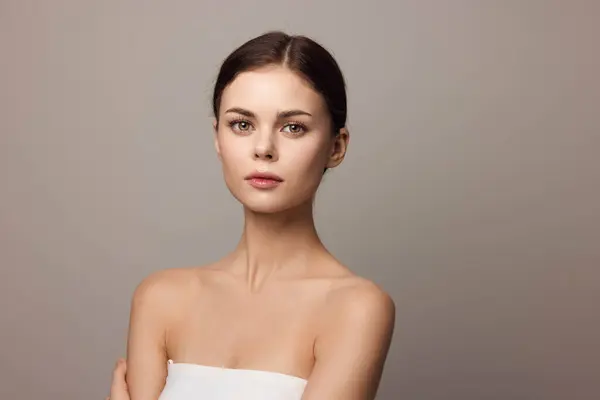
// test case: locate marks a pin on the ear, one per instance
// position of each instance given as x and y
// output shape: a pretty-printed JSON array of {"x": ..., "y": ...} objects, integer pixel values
[
  {"x": 339, "y": 148},
  {"x": 215, "y": 125}
]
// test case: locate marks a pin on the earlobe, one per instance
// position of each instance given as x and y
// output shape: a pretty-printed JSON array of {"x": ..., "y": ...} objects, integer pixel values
[
  {"x": 215, "y": 125},
  {"x": 217, "y": 147},
  {"x": 339, "y": 148},
  {"x": 216, "y": 137}
]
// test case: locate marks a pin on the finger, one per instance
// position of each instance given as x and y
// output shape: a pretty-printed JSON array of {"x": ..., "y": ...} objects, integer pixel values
[
  {"x": 119, "y": 371},
  {"x": 122, "y": 366},
  {"x": 118, "y": 385}
]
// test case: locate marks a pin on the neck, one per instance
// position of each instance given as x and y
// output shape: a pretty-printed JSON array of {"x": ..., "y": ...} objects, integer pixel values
[{"x": 271, "y": 243}]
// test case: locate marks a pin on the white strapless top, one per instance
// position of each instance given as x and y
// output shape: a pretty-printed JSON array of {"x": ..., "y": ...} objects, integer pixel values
[{"x": 200, "y": 382}]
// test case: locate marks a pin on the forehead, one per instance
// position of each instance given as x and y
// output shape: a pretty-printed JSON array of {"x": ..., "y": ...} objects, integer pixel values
[{"x": 272, "y": 89}]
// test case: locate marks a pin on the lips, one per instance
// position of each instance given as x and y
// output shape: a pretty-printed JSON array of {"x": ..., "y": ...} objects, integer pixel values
[
  {"x": 265, "y": 176},
  {"x": 264, "y": 180}
]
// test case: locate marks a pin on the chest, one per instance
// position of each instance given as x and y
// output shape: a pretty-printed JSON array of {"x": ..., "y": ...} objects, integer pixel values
[{"x": 270, "y": 332}]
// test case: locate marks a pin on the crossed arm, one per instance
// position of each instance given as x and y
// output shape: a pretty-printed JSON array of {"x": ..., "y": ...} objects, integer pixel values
[{"x": 350, "y": 352}]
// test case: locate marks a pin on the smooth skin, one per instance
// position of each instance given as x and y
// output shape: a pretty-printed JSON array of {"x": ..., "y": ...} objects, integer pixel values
[{"x": 280, "y": 301}]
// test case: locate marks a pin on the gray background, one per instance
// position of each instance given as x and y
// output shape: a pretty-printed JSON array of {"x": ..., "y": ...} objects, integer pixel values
[{"x": 470, "y": 192}]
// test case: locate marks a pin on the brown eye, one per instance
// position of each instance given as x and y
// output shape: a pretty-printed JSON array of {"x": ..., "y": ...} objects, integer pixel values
[
  {"x": 294, "y": 129},
  {"x": 242, "y": 126}
]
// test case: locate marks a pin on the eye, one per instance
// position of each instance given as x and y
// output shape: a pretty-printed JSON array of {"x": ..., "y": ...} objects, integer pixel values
[
  {"x": 240, "y": 125},
  {"x": 294, "y": 128}
]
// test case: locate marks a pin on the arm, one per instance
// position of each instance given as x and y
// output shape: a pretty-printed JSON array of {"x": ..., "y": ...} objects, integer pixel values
[
  {"x": 351, "y": 351},
  {"x": 146, "y": 342}
]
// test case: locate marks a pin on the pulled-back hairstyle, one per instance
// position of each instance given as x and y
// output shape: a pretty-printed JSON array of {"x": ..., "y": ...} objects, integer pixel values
[{"x": 298, "y": 53}]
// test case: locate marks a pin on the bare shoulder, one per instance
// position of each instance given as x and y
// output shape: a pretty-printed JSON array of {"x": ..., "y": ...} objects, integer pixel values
[
  {"x": 163, "y": 289},
  {"x": 163, "y": 283},
  {"x": 354, "y": 340},
  {"x": 156, "y": 304},
  {"x": 357, "y": 300}
]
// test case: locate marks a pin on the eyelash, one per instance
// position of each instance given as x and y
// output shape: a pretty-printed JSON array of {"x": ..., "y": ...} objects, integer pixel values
[{"x": 298, "y": 124}]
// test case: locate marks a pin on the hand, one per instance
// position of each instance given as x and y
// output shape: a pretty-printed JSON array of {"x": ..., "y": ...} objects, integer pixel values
[{"x": 118, "y": 387}]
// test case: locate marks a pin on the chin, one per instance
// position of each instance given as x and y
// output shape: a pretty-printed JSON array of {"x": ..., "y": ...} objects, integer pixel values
[
  {"x": 265, "y": 205},
  {"x": 266, "y": 202},
  {"x": 264, "y": 208}
]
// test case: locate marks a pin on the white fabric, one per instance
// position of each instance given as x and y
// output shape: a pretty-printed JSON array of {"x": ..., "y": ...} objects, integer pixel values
[{"x": 200, "y": 382}]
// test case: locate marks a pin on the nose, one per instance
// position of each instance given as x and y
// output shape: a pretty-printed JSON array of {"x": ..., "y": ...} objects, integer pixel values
[{"x": 265, "y": 147}]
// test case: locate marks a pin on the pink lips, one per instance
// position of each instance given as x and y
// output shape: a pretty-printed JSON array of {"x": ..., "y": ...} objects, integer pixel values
[{"x": 264, "y": 180}]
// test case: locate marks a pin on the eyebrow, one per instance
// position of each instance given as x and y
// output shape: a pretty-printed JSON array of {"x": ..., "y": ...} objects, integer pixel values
[{"x": 280, "y": 115}]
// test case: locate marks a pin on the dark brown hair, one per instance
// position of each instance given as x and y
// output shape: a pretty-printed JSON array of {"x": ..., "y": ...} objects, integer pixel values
[{"x": 298, "y": 53}]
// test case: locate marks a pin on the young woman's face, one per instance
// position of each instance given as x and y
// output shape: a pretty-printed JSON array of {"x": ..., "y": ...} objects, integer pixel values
[{"x": 272, "y": 122}]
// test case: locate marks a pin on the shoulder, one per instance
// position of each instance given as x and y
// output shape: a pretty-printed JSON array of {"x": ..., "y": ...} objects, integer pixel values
[
  {"x": 161, "y": 290},
  {"x": 162, "y": 283},
  {"x": 357, "y": 326},
  {"x": 358, "y": 300}
]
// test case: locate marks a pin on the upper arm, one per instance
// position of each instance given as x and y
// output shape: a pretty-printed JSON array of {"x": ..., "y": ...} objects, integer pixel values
[
  {"x": 351, "y": 352},
  {"x": 146, "y": 349}
]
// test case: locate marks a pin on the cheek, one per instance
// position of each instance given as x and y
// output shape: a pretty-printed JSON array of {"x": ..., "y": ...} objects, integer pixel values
[
  {"x": 309, "y": 160},
  {"x": 230, "y": 152},
  {"x": 232, "y": 167}
]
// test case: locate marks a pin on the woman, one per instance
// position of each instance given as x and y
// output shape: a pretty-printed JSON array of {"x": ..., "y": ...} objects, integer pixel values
[{"x": 279, "y": 318}]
